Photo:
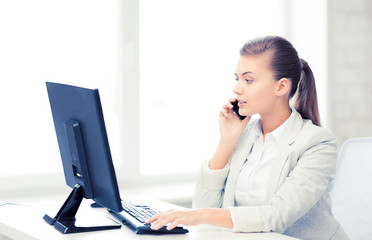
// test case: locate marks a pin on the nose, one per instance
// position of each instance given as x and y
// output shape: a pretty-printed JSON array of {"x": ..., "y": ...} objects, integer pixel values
[{"x": 238, "y": 88}]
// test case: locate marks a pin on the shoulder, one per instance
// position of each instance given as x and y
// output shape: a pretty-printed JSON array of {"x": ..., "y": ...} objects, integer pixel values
[
  {"x": 311, "y": 134},
  {"x": 302, "y": 132},
  {"x": 308, "y": 141},
  {"x": 315, "y": 148}
]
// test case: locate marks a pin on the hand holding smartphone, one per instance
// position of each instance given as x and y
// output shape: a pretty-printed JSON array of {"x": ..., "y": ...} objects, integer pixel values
[{"x": 236, "y": 110}]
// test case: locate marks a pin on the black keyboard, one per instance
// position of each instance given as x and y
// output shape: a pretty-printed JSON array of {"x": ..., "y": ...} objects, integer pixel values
[
  {"x": 140, "y": 212},
  {"x": 136, "y": 216}
]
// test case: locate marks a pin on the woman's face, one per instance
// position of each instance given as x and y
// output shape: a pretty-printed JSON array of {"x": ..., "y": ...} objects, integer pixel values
[{"x": 255, "y": 87}]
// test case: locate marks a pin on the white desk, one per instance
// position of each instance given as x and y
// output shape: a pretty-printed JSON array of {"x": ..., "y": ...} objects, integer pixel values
[{"x": 26, "y": 223}]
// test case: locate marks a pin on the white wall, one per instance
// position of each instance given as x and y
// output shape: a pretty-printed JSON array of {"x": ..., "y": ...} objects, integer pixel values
[{"x": 350, "y": 68}]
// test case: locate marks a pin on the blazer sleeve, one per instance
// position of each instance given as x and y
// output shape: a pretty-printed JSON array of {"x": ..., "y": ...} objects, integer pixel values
[
  {"x": 210, "y": 187},
  {"x": 302, "y": 188}
]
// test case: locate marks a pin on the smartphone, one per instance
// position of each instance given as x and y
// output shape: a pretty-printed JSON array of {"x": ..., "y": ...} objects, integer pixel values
[{"x": 236, "y": 110}]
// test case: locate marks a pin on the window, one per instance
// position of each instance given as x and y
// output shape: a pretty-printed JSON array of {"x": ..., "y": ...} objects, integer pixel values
[
  {"x": 72, "y": 42},
  {"x": 164, "y": 68}
]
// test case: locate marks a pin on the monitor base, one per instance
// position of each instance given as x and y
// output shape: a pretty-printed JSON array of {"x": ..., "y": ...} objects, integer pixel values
[{"x": 65, "y": 219}]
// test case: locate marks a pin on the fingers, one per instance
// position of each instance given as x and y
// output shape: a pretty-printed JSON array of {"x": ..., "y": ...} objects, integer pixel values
[
  {"x": 174, "y": 224},
  {"x": 162, "y": 219},
  {"x": 224, "y": 113},
  {"x": 153, "y": 219},
  {"x": 232, "y": 100},
  {"x": 227, "y": 108},
  {"x": 171, "y": 219}
]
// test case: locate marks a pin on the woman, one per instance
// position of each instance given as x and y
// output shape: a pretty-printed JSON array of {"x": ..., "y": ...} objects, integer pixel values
[{"x": 274, "y": 173}]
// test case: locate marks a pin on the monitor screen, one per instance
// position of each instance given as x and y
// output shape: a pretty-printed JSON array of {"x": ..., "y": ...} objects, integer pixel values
[{"x": 83, "y": 143}]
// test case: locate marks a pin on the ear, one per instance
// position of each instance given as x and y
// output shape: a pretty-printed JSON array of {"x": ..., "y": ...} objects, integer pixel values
[{"x": 283, "y": 86}]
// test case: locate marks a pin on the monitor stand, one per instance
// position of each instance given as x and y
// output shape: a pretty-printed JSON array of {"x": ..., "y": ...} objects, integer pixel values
[{"x": 65, "y": 219}]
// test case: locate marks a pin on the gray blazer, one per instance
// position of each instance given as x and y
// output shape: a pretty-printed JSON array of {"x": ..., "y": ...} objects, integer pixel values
[{"x": 299, "y": 188}]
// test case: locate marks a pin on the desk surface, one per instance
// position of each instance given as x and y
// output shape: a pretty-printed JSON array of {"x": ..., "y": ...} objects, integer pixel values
[{"x": 26, "y": 223}]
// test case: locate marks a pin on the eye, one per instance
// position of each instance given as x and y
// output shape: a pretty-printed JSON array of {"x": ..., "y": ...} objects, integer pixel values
[
  {"x": 236, "y": 78},
  {"x": 248, "y": 80}
]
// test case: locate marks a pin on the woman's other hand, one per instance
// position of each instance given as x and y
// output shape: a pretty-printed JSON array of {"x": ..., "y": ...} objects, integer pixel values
[
  {"x": 231, "y": 127},
  {"x": 173, "y": 218}
]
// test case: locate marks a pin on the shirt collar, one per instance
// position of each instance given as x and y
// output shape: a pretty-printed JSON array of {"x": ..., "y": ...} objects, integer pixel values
[
  {"x": 256, "y": 130},
  {"x": 279, "y": 132},
  {"x": 276, "y": 134}
]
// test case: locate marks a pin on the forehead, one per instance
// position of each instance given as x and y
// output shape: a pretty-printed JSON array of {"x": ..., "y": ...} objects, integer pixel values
[{"x": 256, "y": 64}]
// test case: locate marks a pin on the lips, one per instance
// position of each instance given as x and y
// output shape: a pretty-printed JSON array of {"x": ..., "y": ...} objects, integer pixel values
[{"x": 241, "y": 103}]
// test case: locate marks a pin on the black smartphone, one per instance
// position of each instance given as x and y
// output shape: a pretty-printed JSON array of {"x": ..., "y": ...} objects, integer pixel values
[{"x": 236, "y": 110}]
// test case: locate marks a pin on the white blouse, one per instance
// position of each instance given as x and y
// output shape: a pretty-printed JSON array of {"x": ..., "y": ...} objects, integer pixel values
[{"x": 253, "y": 179}]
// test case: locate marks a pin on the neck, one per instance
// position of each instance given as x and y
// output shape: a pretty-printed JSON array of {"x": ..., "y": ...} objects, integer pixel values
[{"x": 274, "y": 118}]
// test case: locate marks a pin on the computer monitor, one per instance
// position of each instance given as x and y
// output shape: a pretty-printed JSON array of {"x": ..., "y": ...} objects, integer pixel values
[{"x": 85, "y": 154}]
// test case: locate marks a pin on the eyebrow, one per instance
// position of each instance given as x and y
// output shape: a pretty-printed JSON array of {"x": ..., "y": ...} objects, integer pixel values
[{"x": 244, "y": 73}]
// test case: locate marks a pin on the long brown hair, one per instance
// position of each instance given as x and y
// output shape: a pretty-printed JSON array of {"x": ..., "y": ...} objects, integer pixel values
[{"x": 286, "y": 64}]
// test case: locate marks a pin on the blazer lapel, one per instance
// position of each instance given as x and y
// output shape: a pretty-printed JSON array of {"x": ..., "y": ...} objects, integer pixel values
[
  {"x": 278, "y": 168},
  {"x": 237, "y": 160},
  {"x": 241, "y": 153}
]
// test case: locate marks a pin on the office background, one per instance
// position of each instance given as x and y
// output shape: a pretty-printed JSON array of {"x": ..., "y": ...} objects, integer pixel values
[{"x": 162, "y": 68}]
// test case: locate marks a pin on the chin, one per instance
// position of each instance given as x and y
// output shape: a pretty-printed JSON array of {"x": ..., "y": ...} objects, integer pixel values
[{"x": 244, "y": 112}]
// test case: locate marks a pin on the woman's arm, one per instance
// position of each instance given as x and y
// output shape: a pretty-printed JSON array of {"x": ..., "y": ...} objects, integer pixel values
[
  {"x": 209, "y": 188},
  {"x": 231, "y": 129},
  {"x": 222, "y": 155}
]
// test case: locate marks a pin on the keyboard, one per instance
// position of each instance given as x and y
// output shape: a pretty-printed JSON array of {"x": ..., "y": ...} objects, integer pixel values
[
  {"x": 139, "y": 212},
  {"x": 136, "y": 216}
]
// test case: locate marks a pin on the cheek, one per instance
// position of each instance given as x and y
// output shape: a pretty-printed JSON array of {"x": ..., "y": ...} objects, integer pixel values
[{"x": 260, "y": 98}]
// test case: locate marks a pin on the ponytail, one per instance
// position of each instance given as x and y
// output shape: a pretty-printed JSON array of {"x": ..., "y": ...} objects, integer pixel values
[
  {"x": 306, "y": 102},
  {"x": 286, "y": 64}
]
